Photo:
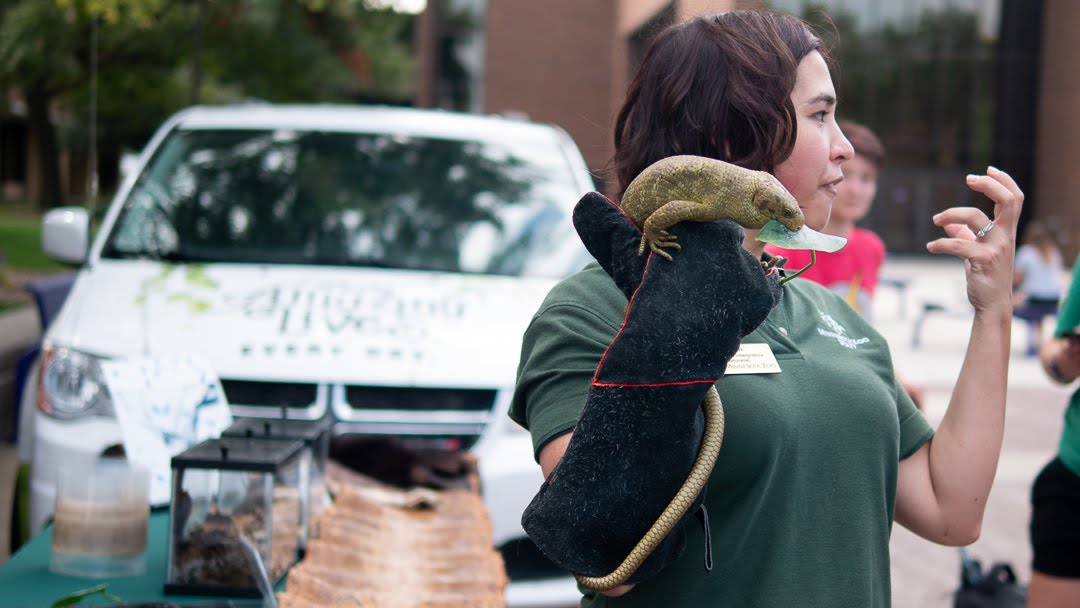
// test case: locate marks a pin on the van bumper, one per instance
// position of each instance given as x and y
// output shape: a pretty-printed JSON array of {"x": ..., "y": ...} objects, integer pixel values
[
  {"x": 548, "y": 593},
  {"x": 509, "y": 478}
]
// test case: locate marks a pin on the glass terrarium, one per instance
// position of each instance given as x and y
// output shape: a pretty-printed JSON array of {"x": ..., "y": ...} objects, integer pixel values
[
  {"x": 315, "y": 434},
  {"x": 227, "y": 492}
]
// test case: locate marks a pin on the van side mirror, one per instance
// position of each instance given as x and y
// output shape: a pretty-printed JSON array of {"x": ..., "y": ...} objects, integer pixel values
[{"x": 65, "y": 234}]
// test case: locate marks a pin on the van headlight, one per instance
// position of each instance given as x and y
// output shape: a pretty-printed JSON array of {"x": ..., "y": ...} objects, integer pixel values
[{"x": 70, "y": 385}]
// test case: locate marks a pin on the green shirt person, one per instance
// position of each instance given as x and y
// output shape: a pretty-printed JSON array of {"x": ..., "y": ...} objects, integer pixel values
[
  {"x": 822, "y": 457},
  {"x": 1055, "y": 494},
  {"x": 775, "y": 449}
]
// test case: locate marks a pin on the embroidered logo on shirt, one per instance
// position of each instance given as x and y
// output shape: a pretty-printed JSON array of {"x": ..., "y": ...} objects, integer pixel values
[{"x": 835, "y": 330}]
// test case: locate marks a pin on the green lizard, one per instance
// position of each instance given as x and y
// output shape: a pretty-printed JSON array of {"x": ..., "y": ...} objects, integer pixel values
[{"x": 695, "y": 188}]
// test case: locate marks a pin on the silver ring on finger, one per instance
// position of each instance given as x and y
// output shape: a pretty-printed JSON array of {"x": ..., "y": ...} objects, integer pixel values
[{"x": 985, "y": 230}]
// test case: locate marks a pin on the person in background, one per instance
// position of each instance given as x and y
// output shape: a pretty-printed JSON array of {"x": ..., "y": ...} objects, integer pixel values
[
  {"x": 819, "y": 459},
  {"x": 852, "y": 272},
  {"x": 1037, "y": 281},
  {"x": 1055, "y": 494}
]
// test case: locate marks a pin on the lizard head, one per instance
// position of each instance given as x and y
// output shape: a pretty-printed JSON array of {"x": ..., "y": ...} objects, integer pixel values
[{"x": 773, "y": 200}]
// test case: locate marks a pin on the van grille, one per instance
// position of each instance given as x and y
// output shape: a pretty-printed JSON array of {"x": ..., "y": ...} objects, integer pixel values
[
  {"x": 419, "y": 399},
  {"x": 460, "y": 414},
  {"x": 457, "y": 414},
  {"x": 275, "y": 394}
]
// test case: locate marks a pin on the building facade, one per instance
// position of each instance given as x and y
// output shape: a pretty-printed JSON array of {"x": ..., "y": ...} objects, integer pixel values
[
  {"x": 569, "y": 62},
  {"x": 951, "y": 86}
]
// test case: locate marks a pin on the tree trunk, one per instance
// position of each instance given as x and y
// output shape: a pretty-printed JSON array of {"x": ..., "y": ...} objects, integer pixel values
[{"x": 49, "y": 191}]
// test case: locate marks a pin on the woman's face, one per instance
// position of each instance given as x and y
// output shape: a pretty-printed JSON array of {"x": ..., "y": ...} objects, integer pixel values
[{"x": 812, "y": 171}]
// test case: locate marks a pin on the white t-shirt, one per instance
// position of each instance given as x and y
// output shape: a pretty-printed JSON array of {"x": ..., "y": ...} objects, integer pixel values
[{"x": 1040, "y": 279}]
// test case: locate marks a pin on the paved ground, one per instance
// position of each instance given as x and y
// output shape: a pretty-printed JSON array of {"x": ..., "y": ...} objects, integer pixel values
[{"x": 924, "y": 574}]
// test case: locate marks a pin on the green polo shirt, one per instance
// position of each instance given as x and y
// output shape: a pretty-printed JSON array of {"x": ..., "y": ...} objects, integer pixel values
[
  {"x": 801, "y": 500},
  {"x": 1067, "y": 323}
]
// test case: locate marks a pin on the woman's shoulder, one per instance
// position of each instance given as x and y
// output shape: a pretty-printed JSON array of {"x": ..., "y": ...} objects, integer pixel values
[{"x": 591, "y": 289}]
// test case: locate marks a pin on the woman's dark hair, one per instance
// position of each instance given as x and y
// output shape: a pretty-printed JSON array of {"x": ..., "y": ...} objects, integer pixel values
[{"x": 717, "y": 86}]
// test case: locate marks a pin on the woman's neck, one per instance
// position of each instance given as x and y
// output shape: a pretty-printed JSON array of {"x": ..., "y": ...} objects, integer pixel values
[{"x": 751, "y": 244}]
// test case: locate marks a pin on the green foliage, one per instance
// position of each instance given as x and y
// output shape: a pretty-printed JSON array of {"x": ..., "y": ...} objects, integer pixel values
[
  {"x": 272, "y": 54},
  {"x": 392, "y": 64},
  {"x": 157, "y": 56},
  {"x": 775, "y": 233},
  {"x": 925, "y": 85},
  {"x": 143, "y": 13},
  {"x": 35, "y": 45},
  {"x": 78, "y": 596}
]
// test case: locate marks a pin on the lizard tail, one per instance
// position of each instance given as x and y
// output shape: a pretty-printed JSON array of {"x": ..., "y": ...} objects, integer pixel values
[{"x": 677, "y": 508}]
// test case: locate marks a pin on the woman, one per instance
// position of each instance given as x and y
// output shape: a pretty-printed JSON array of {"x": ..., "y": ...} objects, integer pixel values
[
  {"x": 819, "y": 459},
  {"x": 1037, "y": 280}
]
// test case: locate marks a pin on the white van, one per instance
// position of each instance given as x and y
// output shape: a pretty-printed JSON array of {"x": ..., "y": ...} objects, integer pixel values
[{"x": 373, "y": 265}]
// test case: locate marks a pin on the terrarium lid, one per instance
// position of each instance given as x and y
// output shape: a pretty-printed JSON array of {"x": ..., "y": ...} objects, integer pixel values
[
  {"x": 238, "y": 454},
  {"x": 278, "y": 428}
]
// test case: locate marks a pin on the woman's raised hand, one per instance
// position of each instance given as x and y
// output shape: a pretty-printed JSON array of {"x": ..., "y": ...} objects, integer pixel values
[{"x": 986, "y": 248}]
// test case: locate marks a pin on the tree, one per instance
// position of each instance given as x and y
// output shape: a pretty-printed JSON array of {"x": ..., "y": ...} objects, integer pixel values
[
  {"x": 155, "y": 56},
  {"x": 925, "y": 83}
]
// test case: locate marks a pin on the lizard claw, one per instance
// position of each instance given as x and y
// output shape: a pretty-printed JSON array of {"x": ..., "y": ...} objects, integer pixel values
[
  {"x": 657, "y": 242},
  {"x": 662, "y": 253},
  {"x": 657, "y": 249}
]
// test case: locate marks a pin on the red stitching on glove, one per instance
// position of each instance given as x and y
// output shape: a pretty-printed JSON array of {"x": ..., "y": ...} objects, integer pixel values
[
  {"x": 649, "y": 384},
  {"x": 629, "y": 306}
]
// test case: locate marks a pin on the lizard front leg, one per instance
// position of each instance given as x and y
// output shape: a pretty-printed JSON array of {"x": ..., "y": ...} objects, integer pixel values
[{"x": 654, "y": 233}]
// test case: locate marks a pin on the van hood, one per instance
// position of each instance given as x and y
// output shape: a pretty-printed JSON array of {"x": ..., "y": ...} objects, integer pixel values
[{"x": 307, "y": 323}]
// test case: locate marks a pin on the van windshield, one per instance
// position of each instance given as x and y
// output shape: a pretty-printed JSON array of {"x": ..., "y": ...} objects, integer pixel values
[{"x": 354, "y": 199}]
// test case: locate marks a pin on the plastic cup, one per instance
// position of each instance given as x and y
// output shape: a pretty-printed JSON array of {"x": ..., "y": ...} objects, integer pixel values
[{"x": 101, "y": 520}]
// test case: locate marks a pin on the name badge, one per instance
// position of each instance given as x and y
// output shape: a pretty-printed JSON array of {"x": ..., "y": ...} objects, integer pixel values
[{"x": 753, "y": 359}]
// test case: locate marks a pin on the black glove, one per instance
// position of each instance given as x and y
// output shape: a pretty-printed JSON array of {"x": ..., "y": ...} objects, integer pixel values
[{"x": 641, "y": 428}]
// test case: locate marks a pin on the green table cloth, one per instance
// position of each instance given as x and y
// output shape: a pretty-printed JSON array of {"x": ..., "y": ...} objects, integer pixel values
[{"x": 25, "y": 580}]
